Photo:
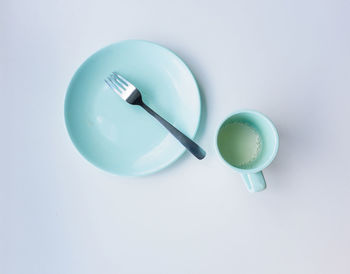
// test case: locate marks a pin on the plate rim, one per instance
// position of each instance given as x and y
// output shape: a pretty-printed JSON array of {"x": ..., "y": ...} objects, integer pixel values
[{"x": 159, "y": 167}]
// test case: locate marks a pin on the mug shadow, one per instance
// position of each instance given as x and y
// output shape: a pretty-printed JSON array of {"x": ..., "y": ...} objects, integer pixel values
[{"x": 276, "y": 171}]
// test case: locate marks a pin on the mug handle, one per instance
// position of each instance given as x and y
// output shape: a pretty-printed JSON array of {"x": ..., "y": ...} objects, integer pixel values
[{"x": 254, "y": 181}]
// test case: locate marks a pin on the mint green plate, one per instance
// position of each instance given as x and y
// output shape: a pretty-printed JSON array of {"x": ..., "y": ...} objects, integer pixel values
[{"x": 122, "y": 138}]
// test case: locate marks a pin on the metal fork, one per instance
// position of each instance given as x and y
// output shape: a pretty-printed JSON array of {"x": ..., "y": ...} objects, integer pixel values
[{"x": 129, "y": 93}]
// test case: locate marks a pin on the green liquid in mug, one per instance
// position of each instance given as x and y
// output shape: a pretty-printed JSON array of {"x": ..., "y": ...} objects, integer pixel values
[{"x": 240, "y": 144}]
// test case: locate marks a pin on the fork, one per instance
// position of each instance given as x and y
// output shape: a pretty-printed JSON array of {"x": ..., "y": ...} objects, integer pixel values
[{"x": 129, "y": 93}]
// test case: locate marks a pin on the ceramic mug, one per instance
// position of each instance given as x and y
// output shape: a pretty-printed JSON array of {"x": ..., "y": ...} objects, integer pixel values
[{"x": 248, "y": 142}]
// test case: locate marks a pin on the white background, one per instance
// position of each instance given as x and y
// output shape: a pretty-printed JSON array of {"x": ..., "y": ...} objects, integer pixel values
[{"x": 287, "y": 59}]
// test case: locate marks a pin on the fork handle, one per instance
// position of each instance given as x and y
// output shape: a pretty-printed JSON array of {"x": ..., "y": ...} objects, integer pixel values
[{"x": 191, "y": 146}]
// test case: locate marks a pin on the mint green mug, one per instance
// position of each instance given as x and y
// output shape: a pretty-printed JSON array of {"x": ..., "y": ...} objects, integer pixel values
[{"x": 248, "y": 142}]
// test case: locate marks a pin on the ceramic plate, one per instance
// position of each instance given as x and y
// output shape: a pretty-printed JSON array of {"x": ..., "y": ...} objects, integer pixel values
[{"x": 122, "y": 138}]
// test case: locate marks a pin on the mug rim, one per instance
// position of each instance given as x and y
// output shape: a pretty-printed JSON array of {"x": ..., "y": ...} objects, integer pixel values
[{"x": 272, "y": 156}]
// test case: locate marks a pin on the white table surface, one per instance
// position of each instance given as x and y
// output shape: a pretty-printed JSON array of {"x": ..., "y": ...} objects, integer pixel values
[{"x": 287, "y": 59}]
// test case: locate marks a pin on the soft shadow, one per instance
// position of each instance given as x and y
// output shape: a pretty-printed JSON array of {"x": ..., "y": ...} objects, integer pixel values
[{"x": 276, "y": 172}]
